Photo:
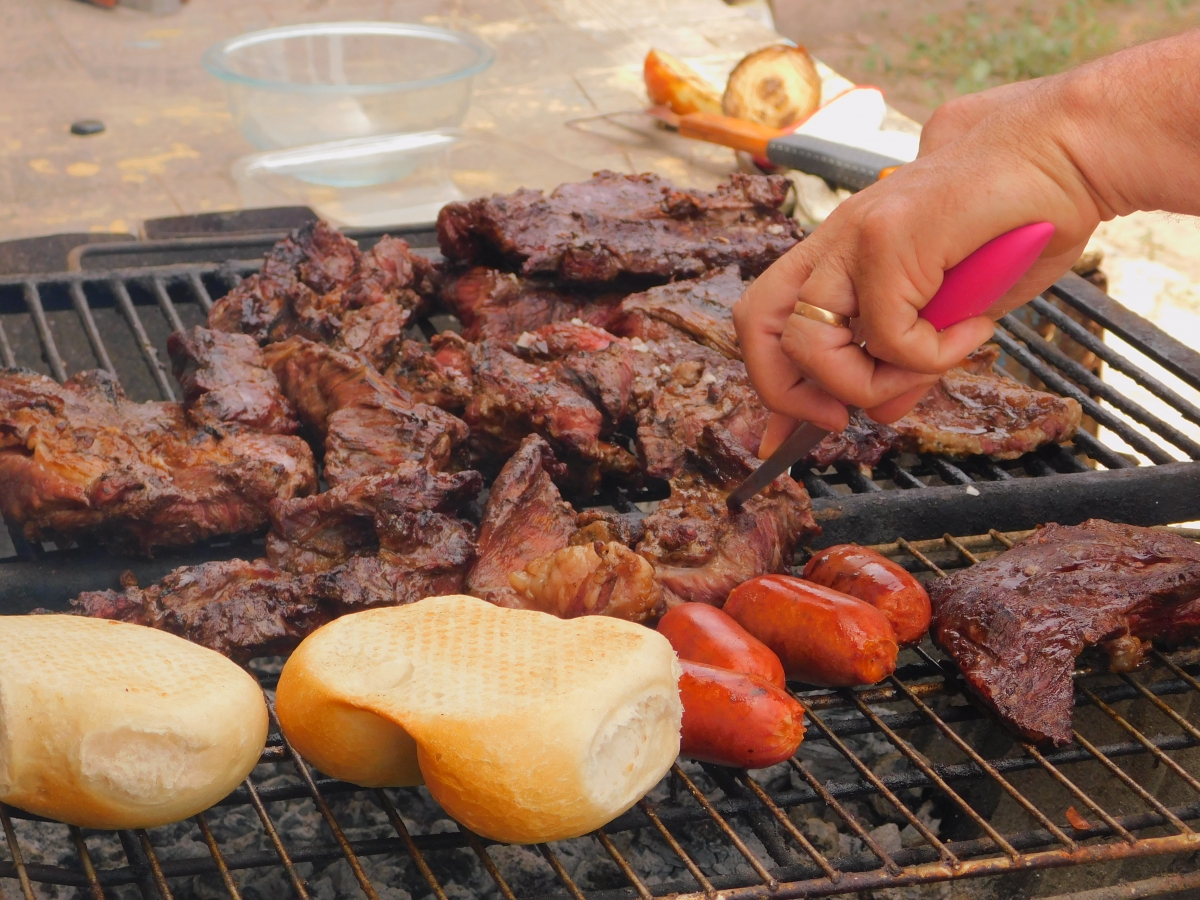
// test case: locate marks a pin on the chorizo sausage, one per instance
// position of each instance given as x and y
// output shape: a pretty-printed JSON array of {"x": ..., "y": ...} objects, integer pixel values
[
  {"x": 734, "y": 719},
  {"x": 704, "y": 634},
  {"x": 875, "y": 579},
  {"x": 820, "y": 635}
]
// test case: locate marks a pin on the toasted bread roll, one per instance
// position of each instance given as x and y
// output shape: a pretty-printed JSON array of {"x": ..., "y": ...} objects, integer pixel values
[
  {"x": 524, "y": 727},
  {"x": 111, "y": 725}
]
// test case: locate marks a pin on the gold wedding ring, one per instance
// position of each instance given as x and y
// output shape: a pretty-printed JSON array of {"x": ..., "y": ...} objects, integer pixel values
[{"x": 821, "y": 315}]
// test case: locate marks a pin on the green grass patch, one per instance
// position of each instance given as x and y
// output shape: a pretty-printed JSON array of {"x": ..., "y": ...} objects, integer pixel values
[{"x": 987, "y": 44}]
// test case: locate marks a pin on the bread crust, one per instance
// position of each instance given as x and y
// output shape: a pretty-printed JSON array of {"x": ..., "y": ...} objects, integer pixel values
[
  {"x": 525, "y": 727},
  {"x": 110, "y": 725}
]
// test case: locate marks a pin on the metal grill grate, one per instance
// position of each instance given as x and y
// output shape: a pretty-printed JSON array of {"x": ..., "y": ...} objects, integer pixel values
[
  {"x": 889, "y": 753},
  {"x": 119, "y": 319}
]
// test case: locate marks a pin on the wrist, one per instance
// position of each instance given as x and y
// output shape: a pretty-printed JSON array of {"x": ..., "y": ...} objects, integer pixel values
[{"x": 1130, "y": 123}]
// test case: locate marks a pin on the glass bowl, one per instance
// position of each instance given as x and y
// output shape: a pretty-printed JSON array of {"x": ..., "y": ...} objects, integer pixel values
[{"x": 330, "y": 81}]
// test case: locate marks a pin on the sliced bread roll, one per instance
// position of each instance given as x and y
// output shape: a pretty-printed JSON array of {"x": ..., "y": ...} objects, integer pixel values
[
  {"x": 111, "y": 725},
  {"x": 525, "y": 727}
]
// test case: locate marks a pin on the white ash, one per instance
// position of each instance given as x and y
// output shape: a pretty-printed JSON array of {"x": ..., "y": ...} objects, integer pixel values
[{"x": 393, "y": 875}]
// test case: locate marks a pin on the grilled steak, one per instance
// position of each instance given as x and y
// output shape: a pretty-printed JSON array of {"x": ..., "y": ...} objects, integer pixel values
[
  {"x": 525, "y": 518},
  {"x": 225, "y": 380},
  {"x": 688, "y": 387},
  {"x": 500, "y": 305},
  {"x": 614, "y": 224},
  {"x": 81, "y": 461},
  {"x": 973, "y": 410},
  {"x": 701, "y": 309},
  {"x": 700, "y": 550},
  {"x": 1016, "y": 623},
  {"x": 864, "y": 442},
  {"x": 381, "y": 540},
  {"x": 367, "y": 424},
  {"x": 315, "y": 283}
]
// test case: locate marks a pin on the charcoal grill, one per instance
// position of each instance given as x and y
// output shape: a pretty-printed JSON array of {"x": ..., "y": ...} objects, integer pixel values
[
  {"x": 904, "y": 783},
  {"x": 1123, "y": 790}
]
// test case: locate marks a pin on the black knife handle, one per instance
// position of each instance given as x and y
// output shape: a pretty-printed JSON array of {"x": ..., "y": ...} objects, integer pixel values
[{"x": 839, "y": 164}]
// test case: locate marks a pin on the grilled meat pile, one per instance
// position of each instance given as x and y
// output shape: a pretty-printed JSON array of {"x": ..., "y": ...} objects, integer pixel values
[
  {"x": 608, "y": 358},
  {"x": 1015, "y": 624},
  {"x": 81, "y": 462},
  {"x": 317, "y": 284},
  {"x": 380, "y": 540}
]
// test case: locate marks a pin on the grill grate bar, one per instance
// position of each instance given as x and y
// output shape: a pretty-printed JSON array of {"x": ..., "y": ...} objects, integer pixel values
[
  {"x": 859, "y": 481},
  {"x": 676, "y": 848},
  {"x": 1097, "y": 451},
  {"x": 125, "y": 303},
  {"x": 1162, "y": 707},
  {"x": 1159, "y": 756},
  {"x": 1060, "y": 385},
  {"x": 414, "y": 854},
  {"x": 842, "y": 813},
  {"x": 790, "y": 827},
  {"x": 165, "y": 303},
  {"x": 488, "y": 864},
  {"x": 929, "y": 772},
  {"x": 14, "y": 849},
  {"x": 327, "y": 814},
  {"x": 719, "y": 820},
  {"x": 921, "y": 557},
  {"x": 1085, "y": 338},
  {"x": 948, "y": 471},
  {"x": 7, "y": 357},
  {"x": 214, "y": 849},
  {"x": 1077, "y": 792},
  {"x": 1126, "y": 780},
  {"x": 33, "y": 302},
  {"x": 156, "y": 872},
  {"x": 884, "y": 791},
  {"x": 623, "y": 864},
  {"x": 196, "y": 283},
  {"x": 974, "y": 756},
  {"x": 85, "y": 860},
  {"x": 277, "y": 842},
  {"x": 80, "y": 301},
  {"x": 1088, "y": 380},
  {"x": 563, "y": 876},
  {"x": 901, "y": 476}
]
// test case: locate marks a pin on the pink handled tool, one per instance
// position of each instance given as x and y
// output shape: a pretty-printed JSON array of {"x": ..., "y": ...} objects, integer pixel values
[
  {"x": 985, "y": 276},
  {"x": 967, "y": 290}
]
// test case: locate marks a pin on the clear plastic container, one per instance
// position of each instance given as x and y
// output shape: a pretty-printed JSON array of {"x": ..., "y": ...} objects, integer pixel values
[{"x": 331, "y": 81}]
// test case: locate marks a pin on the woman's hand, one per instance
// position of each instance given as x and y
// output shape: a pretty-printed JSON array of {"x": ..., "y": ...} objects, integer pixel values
[
  {"x": 1111, "y": 137},
  {"x": 987, "y": 166}
]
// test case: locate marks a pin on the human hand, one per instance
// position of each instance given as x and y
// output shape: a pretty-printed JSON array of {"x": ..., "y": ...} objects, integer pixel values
[{"x": 988, "y": 165}]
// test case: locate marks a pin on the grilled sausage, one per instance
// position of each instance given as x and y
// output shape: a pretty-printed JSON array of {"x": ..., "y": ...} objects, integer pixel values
[
  {"x": 734, "y": 719},
  {"x": 704, "y": 634},
  {"x": 875, "y": 579},
  {"x": 821, "y": 636}
]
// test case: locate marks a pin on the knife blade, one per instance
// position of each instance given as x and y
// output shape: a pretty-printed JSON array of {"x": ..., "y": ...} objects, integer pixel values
[{"x": 967, "y": 290}]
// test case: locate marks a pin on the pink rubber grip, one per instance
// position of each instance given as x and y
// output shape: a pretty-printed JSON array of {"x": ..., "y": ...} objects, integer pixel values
[{"x": 985, "y": 276}]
